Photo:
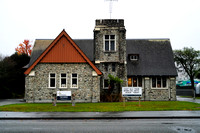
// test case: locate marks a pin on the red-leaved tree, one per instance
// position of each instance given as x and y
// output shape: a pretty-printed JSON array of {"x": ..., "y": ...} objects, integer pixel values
[{"x": 24, "y": 48}]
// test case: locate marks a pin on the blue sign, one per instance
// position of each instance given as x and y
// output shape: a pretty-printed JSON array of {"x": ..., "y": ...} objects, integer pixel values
[{"x": 63, "y": 98}]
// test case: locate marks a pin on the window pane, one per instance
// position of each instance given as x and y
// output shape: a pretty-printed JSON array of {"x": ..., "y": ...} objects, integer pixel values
[
  {"x": 105, "y": 83},
  {"x": 113, "y": 67},
  {"x": 134, "y": 82},
  {"x": 164, "y": 81},
  {"x": 112, "y": 36},
  {"x": 134, "y": 57},
  {"x": 63, "y": 75},
  {"x": 106, "y": 67},
  {"x": 106, "y": 36},
  {"x": 52, "y": 75},
  {"x": 52, "y": 82},
  {"x": 154, "y": 82},
  {"x": 106, "y": 45},
  {"x": 129, "y": 82},
  {"x": 131, "y": 57},
  {"x": 112, "y": 45},
  {"x": 140, "y": 81},
  {"x": 159, "y": 82},
  {"x": 74, "y": 75},
  {"x": 74, "y": 81},
  {"x": 63, "y": 81}
]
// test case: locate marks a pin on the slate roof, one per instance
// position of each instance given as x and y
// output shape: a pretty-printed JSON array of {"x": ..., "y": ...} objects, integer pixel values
[
  {"x": 75, "y": 50},
  {"x": 155, "y": 55},
  {"x": 86, "y": 45},
  {"x": 39, "y": 46}
]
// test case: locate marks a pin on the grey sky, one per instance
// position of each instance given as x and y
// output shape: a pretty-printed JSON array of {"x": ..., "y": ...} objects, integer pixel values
[{"x": 178, "y": 20}]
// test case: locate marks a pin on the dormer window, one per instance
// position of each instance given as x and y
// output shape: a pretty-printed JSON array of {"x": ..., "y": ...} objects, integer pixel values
[
  {"x": 133, "y": 57},
  {"x": 109, "y": 43}
]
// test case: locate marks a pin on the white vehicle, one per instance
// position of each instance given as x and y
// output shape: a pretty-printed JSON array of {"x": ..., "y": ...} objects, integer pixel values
[{"x": 198, "y": 88}]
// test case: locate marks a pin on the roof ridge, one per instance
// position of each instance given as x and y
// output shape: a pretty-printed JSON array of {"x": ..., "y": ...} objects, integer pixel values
[{"x": 63, "y": 33}]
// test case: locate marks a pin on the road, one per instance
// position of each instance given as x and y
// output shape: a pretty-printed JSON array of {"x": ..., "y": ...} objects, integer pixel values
[{"x": 101, "y": 126}]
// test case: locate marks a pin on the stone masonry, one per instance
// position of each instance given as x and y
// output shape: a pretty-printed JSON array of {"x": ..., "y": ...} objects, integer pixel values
[
  {"x": 90, "y": 85},
  {"x": 108, "y": 58},
  {"x": 157, "y": 94},
  {"x": 37, "y": 86}
]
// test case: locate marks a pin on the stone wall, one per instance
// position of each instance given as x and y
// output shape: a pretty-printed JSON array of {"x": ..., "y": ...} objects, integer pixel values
[
  {"x": 117, "y": 57},
  {"x": 101, "y": 29},
  {"x": 158, "y": 94},
  {"x": 110, "y": 22},
  {"x": 37, "y": 87}
]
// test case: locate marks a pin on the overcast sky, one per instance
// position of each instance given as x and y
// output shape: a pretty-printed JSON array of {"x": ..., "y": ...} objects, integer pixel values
[{"x": 178, "y": 20}]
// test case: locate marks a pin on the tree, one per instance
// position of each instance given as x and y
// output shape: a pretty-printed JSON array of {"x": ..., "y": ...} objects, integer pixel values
[
  {"x": 24, "y": 48},
  {"x": 12, "y": 78},
  {"x": 6, "y": 81},
  {"x": 189, "y": 60},
  {"x": 114, "y": 83}
]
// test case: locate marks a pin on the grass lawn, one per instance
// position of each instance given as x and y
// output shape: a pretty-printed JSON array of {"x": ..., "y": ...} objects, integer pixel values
[{"x": 102, "y": 107}]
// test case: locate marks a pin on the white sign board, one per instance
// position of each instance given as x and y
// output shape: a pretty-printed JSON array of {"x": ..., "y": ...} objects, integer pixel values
[
  {"x": 131, "y": 91},
  {"x": 63, "y": 95}
]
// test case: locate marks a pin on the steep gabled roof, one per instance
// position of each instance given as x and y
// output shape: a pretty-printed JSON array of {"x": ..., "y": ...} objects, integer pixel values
[
  {"x": 155, "y": 57},
  {"x": 39, "y": 47},
  {"x": 45, "y": 52},
  {"x": 87, "y": 46}
]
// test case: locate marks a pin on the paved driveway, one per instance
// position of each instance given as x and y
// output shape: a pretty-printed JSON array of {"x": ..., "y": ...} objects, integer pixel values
[
  {"x": 187, "y": 99},
  {"x": 10, "y": 101}
]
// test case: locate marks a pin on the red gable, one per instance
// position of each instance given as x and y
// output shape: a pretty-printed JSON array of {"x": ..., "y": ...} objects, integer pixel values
[{"x": 63, "y": 50}]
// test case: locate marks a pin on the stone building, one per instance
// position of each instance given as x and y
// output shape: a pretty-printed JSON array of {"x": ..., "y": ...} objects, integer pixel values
[{"x": 82, "y": 66}]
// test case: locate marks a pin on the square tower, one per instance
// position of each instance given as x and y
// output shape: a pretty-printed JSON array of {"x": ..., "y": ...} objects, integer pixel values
[{"x": 110, "y": 50}]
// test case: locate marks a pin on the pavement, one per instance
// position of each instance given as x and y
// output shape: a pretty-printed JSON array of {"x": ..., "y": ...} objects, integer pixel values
[
  {"x": 100, "y": 115},
  {"x": 10, "y": 101},
  {"x": 188, "y": 99}
]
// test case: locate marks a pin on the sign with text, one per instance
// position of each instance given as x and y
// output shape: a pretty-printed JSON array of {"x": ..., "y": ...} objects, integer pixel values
[
  {"x": 131, "y": 91},
  {"x": 63, "y": 95}
]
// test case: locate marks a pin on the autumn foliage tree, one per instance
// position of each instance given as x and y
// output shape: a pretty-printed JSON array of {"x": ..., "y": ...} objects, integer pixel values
[{"x": 24, "y": 48}]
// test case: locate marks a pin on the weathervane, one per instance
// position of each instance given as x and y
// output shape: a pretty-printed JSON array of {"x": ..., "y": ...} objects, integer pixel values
[{"x": 110, "y": 6}]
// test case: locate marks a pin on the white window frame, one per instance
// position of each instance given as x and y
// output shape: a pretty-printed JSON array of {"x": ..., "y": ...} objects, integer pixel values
[
  {"x": 109, "y": 40},
  {"x": 61, "y": 80},
  {"x": 134, "y": 57},
  {"x": 161, "y": 83},
  {"x": 51, "y": 78},
  {"x": 74, "y": 78}
]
